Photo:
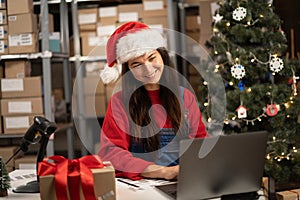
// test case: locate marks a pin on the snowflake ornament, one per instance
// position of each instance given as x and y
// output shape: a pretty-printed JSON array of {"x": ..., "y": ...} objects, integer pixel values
[
  {"x": 217, "y": 18},
  {"x": 276, "y": 64},
  {"x": 238, "y": 71},
  {"x": 239, "y": 13}
]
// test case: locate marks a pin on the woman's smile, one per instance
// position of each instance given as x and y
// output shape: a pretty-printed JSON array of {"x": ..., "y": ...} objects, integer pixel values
[{"x": 152, "y": 75}]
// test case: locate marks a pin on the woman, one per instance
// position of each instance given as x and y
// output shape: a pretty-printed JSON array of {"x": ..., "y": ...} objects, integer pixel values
[{"x": 146, "y": 119}]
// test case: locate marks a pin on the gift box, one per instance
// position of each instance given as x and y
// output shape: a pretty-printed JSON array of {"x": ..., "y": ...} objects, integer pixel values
[
  {"x": 84, "y": 178},
  {"x": 288, "y": 195}
]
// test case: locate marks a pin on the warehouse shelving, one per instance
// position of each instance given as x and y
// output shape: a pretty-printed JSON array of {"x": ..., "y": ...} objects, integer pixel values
[{"x": 46, "y": 56}]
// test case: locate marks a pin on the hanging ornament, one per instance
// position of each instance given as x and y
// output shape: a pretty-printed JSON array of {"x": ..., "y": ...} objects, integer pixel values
[
  {"x": 238, "y": 71},
  {"x": 272, "y": 110},
  {"x": 241, "y": 86},
  {"x": 239, "y": 13},
  {"x": 217, "y": 18},
  {"x": 241, "y": 111},
  {"x": 276, "y": 64}
]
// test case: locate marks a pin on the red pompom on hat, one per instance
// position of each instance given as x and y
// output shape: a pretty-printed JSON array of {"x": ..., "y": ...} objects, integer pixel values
[{"x": 131, "y": 40}]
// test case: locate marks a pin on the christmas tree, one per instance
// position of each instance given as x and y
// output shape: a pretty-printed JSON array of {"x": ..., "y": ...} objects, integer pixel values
[
  {"x": 249, "y": 49},
  {"x": 4, "y": 179}
]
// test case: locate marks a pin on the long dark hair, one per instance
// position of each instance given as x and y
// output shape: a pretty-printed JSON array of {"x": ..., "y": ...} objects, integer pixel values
[{"x": 140, "y": 103}]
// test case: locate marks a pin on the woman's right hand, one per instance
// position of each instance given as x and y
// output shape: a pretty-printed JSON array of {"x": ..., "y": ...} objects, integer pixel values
[{"x": 157, "y": 171}]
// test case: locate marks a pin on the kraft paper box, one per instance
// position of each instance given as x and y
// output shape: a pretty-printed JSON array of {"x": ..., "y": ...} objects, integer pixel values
[
  {"x": 104, "y": 185},
  {"x": 288, "y": 195}
]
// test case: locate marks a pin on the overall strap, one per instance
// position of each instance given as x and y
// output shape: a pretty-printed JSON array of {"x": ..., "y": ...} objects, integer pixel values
[{"x": 186, "y": 112}]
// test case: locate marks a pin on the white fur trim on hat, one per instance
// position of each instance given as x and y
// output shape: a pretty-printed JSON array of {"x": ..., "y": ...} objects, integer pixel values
[
  {"x": 110, "y": 74},
  {"x": 138, "y": 43}
]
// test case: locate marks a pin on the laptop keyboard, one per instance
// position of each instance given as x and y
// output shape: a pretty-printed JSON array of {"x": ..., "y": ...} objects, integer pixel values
[
  {"x": 169, "y": 189},
  {"x": 241, "y": 196}
]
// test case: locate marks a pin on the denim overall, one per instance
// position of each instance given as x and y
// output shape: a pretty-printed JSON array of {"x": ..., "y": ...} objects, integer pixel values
[{"x": 168, "y": 151}]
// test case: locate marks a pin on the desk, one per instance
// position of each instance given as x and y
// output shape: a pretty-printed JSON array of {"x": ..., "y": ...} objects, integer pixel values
[{"x": 124, "y": 191}]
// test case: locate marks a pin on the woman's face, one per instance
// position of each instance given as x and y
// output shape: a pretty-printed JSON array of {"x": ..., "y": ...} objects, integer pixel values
[{"x": 147, "y": 69}]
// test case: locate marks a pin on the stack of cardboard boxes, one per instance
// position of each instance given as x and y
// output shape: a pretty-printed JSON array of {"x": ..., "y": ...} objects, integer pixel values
[
  {"x": 3, "y": 29},
  {"x": 22, "y": 27},
  {"x": 21, "y": 97},
  {"x": 21, "y": 100}
]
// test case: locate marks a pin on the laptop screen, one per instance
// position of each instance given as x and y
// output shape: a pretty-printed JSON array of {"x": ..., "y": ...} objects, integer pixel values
[{"x": 217, "y": 166}]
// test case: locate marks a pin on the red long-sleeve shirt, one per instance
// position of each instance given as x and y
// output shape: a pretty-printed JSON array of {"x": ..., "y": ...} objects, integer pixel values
[{"x": 115, "y": 139}]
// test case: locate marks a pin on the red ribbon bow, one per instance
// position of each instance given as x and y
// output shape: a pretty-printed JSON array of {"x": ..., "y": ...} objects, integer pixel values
[{"x": 71, "y": 173}]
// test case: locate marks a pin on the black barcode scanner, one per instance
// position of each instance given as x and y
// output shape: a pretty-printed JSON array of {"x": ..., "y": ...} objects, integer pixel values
[{"x": 40, "y": 127}]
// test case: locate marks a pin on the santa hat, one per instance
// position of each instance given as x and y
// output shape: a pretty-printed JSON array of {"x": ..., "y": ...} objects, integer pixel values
[{"x": 130, "y": 40}]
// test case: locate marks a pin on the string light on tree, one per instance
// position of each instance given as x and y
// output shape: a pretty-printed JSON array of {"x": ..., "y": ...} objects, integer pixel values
[{"x": 249, "y": 47}]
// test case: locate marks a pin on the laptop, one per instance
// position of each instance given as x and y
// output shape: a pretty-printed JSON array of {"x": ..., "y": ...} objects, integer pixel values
[{"x": 226, "y": 167}]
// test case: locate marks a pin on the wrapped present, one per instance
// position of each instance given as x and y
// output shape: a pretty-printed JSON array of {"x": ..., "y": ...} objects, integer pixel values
[
  {"x": 288, "y": 195},
  {"x": 84, "y": 178}
]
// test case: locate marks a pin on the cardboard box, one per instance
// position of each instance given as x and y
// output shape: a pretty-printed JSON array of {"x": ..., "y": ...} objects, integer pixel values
[
  {"x": 22, "y": 23},
  {"x": 108, "y": 15},
  {"x": 288, "y": 195},
  {"x": 4, "y": 32},
  {"x": 88, "y": 27},
  {"x": 3, "y": 47},
  {"x": 19, "y": 7},
  {"x": 105, "y": 30},
  {"x": 54, "y": 41},
  {"x": 7, "y": 151},
  {"x": 21, "y": 87},
  {"x": 109, "y": 21},
  {"x": 130, "y": 12},
  {"x": 154, "y": 8},
  {"x": 26, "y": 162},
  {"x": 22, "y": 106},
  {"x": 1, "y": 71},
  {"x": 93, "y": 45},
  {"x": 104, "y": 184},
  {"x": 17, "y": 124},
  {"x": 95, "y": 105},
  {"x": 87, "y": 16},
  {"x": 159, "y": 22},
  {"x": 50, "y": 23},
  {"x": 23, "y": 43},
  {"x": 192, "y": 23},
  {"x": 206, "y": 13},
  {"x": 107, "y": 12},
  {"x": 17, "y": 68},
  {"x": 3, "y": 4},
  {"x": 84, "y": 33},
  {"x": 191, "y": 1},
  {"x": 93, "y": 86},
  {"x": 3, "y": 17}
]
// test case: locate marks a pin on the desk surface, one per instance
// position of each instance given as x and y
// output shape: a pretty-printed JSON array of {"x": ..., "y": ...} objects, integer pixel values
[{"x": 124, "y": 191}]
